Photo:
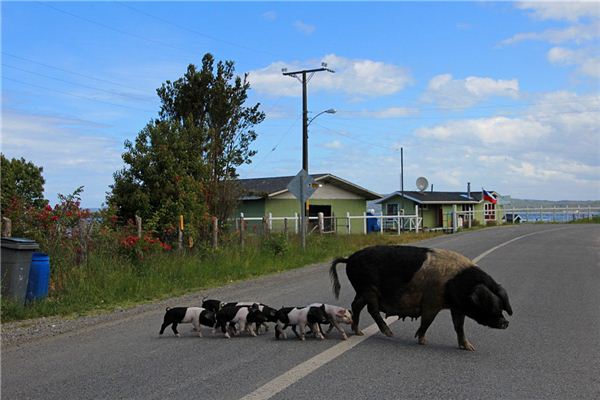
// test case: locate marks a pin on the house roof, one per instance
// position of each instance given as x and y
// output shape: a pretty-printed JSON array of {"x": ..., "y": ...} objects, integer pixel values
[
  {"x": 436, "y": 197},
  {"x": 257, "y": 188}
]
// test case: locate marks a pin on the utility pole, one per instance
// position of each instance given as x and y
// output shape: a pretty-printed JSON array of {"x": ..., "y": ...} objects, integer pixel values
[
  {"x": 402, "y": 183},
  {"x": 304, "y": 81}
]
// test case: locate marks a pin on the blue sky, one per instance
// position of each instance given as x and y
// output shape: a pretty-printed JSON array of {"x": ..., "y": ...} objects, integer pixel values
[{"x": 503, "y": 95}]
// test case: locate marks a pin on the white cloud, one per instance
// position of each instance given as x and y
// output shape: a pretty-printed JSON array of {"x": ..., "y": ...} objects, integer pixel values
[
  {"x": 270, "y": 15},
  {"x": 578, "y": 33},
  {"x": 587, "y": 63},
  {"x": 304, "y": 27},
  {"x": 356, "y": 77},
  {"x": 72, "y": 152},
  {"x": 489, "y": 131},
  {"x": 445, "y": 90},
  {"x": 561, "y": 10},
  {"x": 336, "y": 144},
  {"x": 553, "y": 143},
  {"x": 583, "y": 19},
  {"x": 390, "y": 112}
]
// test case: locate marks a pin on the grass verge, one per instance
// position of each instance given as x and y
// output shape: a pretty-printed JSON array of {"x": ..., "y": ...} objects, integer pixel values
[{"x": 107, "y": 282}]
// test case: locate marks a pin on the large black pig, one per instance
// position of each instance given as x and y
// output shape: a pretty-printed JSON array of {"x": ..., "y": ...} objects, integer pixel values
[{"x": 414, "y": 282}]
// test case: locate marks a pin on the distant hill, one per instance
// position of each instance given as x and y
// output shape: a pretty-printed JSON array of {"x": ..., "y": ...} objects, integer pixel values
[
  {"x": 518, "y": 203},
  {"x": 521, "y": 203}
]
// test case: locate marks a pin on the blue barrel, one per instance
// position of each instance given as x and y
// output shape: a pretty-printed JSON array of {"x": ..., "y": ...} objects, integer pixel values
[{"x": 39, "y": 277}]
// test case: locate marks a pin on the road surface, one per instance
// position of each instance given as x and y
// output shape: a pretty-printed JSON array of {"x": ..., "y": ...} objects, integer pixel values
[{"x": 551, "y": 350}]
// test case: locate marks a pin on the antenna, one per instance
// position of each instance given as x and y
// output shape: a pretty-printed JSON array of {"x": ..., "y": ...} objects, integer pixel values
[{"x": 422, "y": 183}]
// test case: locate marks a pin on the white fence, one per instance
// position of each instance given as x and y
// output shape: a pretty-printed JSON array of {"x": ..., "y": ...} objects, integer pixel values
[
  {"x": 549, "y": 214},
  {"x": 369, "y": 223}
]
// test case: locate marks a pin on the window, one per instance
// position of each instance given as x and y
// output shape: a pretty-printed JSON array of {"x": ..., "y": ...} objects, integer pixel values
[
  {"x": 489, "y": 212},
  {"x": 392, "y": 209}
]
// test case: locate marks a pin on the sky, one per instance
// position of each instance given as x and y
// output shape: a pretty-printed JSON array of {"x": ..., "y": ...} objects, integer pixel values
[{"x": 504, "y": 95}]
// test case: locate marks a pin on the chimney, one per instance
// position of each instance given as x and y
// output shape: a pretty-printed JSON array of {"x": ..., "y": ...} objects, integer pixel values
[
  {"x": 432, "y": 188},
  {"x": 469, "y": 190}
]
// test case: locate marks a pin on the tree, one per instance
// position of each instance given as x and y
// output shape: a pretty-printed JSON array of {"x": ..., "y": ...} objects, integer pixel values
[
  {"x": 22, "y": 181},
  {"x": 185, "y": 161}
]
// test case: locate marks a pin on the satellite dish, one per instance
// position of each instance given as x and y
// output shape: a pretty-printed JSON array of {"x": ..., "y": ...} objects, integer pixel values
[{"x": 422, "y": 183}]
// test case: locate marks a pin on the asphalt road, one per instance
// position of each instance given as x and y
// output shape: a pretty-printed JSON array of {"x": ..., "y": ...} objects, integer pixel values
[{"x": 551, "y": 350}]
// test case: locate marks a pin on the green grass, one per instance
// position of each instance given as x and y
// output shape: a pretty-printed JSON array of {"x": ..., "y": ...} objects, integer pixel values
[{"x": 108, "y": 282}]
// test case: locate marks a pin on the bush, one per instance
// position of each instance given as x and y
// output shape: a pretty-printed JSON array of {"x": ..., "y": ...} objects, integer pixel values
[{"x": 277, "y": 244}]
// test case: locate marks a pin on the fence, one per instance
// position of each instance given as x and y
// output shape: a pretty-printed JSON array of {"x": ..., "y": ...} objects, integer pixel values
[
  {"x": 332, "y": 224},
  {"x": 549, "y": 214}
]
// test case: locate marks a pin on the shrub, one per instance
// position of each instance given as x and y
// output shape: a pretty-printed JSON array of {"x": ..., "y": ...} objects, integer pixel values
[{"x": 277, "y": 244}]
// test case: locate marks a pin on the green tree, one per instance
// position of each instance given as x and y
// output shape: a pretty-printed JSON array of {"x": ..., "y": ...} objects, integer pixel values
[
  {"x": 22, "y": 182},
  {"x": 185, "y": 161}
]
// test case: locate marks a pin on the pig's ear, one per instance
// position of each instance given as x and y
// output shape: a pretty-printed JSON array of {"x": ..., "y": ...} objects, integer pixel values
[
  {"x": 504, "y": 297},
  {"x": 481, "y": 296}
]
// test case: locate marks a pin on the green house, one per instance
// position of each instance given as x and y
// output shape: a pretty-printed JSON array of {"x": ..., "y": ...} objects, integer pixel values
[
  {"x": 334, "y": 197},
  {"x": 437, "y": 208}
]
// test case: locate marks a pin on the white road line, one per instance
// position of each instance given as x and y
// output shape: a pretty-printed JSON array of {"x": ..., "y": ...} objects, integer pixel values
[
  {"x": 485, "y": 253},
  {"x": 292, "y": 376}
]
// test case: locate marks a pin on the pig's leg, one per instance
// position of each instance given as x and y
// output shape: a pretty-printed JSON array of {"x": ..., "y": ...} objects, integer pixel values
[
  {"x": 339, "y": 328},
  {"x": 163, "y": 327},
  {"x": 426, "y": 319},
  {"x": 301, "y": 328},
  {"x": 196, "y": 325},
  {"x": 373, "y": 308},
  {"x": 458, "y": 319},
  {"x": 357, "y": 305},
  {"x": 317, "y": 330},
  {"x": 174, "y": 327}
]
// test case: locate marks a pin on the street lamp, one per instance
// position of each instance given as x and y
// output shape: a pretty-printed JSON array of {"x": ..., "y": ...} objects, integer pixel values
[{"x": 330, "y": 111}]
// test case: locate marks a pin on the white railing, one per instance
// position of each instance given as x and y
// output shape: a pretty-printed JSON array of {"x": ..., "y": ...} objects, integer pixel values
[
  {"x": 383, "y": 223},
  {"x": 549, "y": 214}
]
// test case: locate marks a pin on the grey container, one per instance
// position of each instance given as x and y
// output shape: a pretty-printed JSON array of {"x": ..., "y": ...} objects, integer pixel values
[{"x": 16, "y": 260}]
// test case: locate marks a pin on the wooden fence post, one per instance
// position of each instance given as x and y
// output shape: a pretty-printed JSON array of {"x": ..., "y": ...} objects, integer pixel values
[
  {"x": 6, "y": 227},
  {"x": 285, "y": 227},
  {"x": 180, "y": 234},
  {"x": 138, "y": 224},
  {"x": 348, "y": 219},
  {"x": 321, "y": 223},
  {"x": 215, "y": 229},
  {"x": 266, "y": 223}
]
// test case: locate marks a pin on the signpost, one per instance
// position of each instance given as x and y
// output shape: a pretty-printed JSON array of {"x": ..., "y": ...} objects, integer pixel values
[{"x": 302, "y": 187}]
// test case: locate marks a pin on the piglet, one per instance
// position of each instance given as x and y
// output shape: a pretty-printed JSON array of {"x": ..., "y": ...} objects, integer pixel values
[
  {"x": 301, "y": 317},
  {"x": 336, "y": 315},
  {"x": 180, "y": 315}
]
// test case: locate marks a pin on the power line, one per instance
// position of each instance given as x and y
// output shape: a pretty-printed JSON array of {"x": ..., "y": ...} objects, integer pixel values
[
  {"x": 137, "y": 98},
  {"x": 70, "y": 72},
  {"x": 91, "y": 21},
  {"x": 74, "y": 95},
  {"x": 202, "y": 34}
]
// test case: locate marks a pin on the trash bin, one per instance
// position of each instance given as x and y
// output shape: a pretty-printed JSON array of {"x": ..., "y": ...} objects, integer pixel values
[
  {"x": 39, "y": 277},
  {"x": 16, "y": 261}
]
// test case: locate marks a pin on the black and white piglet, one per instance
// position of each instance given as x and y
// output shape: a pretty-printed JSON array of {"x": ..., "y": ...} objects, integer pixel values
[
  {"x": 269, "y": 312},
  {"x": 181, "y": 315},
  {"x": 336, "y": 316},
  {"x": 231, "y": 317},
  {"x": 301, "y": 317}
]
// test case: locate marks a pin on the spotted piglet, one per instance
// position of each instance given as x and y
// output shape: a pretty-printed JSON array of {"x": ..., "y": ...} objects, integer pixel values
[
  {"x": 180, "y": 315},
  {"x": 300, "y": 317}
]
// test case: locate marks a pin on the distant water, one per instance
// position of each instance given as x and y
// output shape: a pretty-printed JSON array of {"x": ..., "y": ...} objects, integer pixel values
[{"x": 536, "y": 216}]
